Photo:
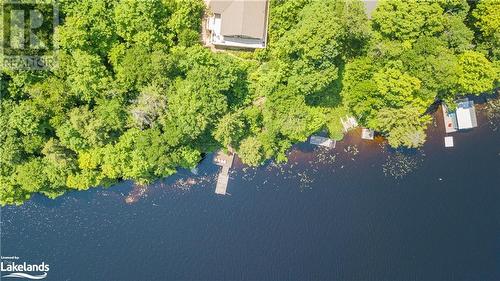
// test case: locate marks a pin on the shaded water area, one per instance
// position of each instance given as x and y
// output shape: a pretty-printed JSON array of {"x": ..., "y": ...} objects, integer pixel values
[{"x": 358, "y": 212}]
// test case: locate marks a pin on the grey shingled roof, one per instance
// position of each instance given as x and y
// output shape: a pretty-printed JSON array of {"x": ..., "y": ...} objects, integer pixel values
[{"x": 241, "y": 17}]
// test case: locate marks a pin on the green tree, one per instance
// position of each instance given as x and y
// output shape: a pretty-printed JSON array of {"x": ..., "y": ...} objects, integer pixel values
[
  {"x": 397, "y": 87},
  {"x": 86, "y": 75},
  {"x": 148, "y": 107},
  {"x": 407, "y": 20},
  {"x": 477, "y": 73},
  {"x": 186, "y": 20},
  {"x": 88, "y": 26},
  {"x": 142, "y": 22},
  {"x": 284, "y": 15},
  {"x": 404, "y": 126},
  {"x": 251, "y": 151},
  {"x": 230, "y": 129},
  {"x": 456, "y": 33},
  {"x": 31, "y": 176},
  {"x": 435, "y": 65},
  {"x": 487, "y": 14},
  {"x": 32, "y": 125},
  {"x": 487, "y": 20}
]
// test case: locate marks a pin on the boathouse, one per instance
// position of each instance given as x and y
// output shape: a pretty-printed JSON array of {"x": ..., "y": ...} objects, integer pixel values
[
  {"x": 322, "y": 141},
  {"x": 237, "y": 23},
  {"x": 466, "y": 114},
  {"x": 462, "y": 118}
]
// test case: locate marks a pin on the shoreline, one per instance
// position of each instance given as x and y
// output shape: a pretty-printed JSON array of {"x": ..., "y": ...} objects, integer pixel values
[
  {"x": 300, "y": 154},
  {"x": 348, "y": 149}
]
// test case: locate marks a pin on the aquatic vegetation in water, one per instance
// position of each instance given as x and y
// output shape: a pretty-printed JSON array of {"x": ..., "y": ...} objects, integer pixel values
[
  {"x": 400, "y": 164},
  {"x": 187, "y": 183},
  {"x": 302, "y": 170},
  {"x": 136, "y": 193},
  {"x": 351, "y": 149},
  {"x": 492, "y": 110},
  {"x": 249, "y": 173},
  {"x": 325, "y": 156},
  {"x": 305, "y": 180}
]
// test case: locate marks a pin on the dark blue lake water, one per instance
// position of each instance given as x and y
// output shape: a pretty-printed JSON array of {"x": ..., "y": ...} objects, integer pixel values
[{"x": 359, "y": 212}]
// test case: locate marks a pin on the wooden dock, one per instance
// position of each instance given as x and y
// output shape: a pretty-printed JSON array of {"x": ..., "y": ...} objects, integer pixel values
[
  {"x": 449, "y": 120},
  {"x": 222, "y": 181},
  {"x": 367, "y": 134},
  {"x": 226, "y": 162},
  {"x": 448, "y": 141}
]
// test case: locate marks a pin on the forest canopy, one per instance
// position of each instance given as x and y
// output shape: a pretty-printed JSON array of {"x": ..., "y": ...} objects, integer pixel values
[{"x": 136, "y": 96}]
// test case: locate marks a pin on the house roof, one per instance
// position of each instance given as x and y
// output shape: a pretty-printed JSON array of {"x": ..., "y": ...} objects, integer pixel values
[
  {"x": 463, "y": 118},
  {"x": 319, "y": 140},
  {"x": 370, "y": 6},
  {"x": 241, "y": 17},
  {"x": 466, "y": 115}
]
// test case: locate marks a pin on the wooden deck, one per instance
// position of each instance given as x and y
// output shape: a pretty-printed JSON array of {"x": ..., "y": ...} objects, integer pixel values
[
  {"x": 448, "y": 142},
  {"x": 449, "y": 127},
  {"x": 349, "y": 123}
]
